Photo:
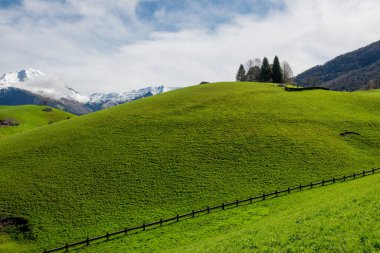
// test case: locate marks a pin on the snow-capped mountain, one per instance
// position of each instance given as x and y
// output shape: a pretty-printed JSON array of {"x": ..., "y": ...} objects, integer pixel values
[
  {"x": 14, "y": 78},
  {"x": 37, "y": 82},
  {"x": 31, "y": 86},
  {"x": 103, "y": 100}
]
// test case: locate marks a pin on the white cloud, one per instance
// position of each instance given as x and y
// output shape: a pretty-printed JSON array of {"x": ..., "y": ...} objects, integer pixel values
[
  {"x": 44, "y": 85},
  {"x": 103, "y": 47}
]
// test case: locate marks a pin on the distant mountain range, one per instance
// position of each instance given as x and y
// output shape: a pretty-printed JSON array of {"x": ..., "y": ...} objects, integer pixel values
[
  {"x": 356, "y": 70},
  {"x": 98, "y": 101},
  {"x": 31, "y": 86}
]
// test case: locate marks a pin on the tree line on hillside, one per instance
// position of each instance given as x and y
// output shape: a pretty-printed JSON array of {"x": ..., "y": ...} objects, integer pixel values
[{"x": 262, "y": 71}]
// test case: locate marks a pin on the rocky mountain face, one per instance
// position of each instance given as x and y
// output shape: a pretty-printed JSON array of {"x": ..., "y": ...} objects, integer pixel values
[
  {"x": 31, "y": 86},
  {"x": 356, "y": 70}
]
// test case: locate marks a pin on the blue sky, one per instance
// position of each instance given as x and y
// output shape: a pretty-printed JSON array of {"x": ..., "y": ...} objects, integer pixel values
[
  {"x": 9, "y": 3},
  {"x": 159, "y": 13},
  {"x": 119, "y": 45},
  {"x": 204, "y": 13}
]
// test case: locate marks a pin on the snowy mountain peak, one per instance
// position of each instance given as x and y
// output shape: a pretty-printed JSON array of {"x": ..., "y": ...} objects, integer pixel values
[
  {"x": 37, "y": 82},
  {"x": 29, "y": 73},
  {"x": 12, "y": 78},
  {"x": 100, "y": 101},
  {"x": 110, "y": 99}
]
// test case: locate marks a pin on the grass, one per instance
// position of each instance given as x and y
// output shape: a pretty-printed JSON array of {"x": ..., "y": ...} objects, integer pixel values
[
  {"x": 8, "y": 244},
  {"x": 179, "y": 151},
  {"x": 29, "y": 117},
  {"x": 339, "y": 218}
]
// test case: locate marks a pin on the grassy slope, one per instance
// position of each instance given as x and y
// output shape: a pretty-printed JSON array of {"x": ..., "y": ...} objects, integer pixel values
[
  {"x": 29, "y": 117},
  {"x": 339, "y": 218},
  {"x": 181, "y": 150}
]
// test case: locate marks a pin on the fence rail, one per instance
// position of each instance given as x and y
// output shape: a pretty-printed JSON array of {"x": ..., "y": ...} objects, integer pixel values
[{"x": 208, "y": 209}]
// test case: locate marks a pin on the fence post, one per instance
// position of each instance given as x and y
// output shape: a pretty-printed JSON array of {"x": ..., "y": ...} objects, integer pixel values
[
  {"x": 333, "y": 180},
  {"x": 373, "y": 171},
  {"x": 67, "y": 246},
  {"x": 344, "y": 178},
  {"x": 288, "y": 190},
  {"x": 237, "y": 202},
  {"x": 88, "y": 241},
  {"x": 276, "y": 192},
  {"x": 208, "y": 209},
  {"x": 354, "y": 175},
  {"x": 222, "y": 206},
  {"x": 323, "y": 182},
  {"x": 144, "y": 226},
  {"x": 107, "y": 235},
  {"x": 177, "y": 217},
  {"x": 300, "y": 187},
  {"x": 311, "y": 185},
  {"x": 250, "y": 200},
  {"x": 193, "y": 214},
  {"x": 363, "y": 173},
  {"x": 161, "y": 222},
  {"x": 126, "y": 230},
  {"x": 263, "y": 196}
]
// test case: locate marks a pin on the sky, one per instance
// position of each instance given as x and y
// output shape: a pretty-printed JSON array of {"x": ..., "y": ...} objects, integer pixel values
[{"x": 120, "y": 45}]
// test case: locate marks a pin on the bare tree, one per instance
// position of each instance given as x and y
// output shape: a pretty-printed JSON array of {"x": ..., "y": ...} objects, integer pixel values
[
  {"x": 373, "y": 84},
  {"x": 287, "y": 73},
  {"x": 253, "y": 70},
  {"x": 252, "y": 63},
  {"x": 249, "y": 64},
  {"x": 257, "y": 62}
]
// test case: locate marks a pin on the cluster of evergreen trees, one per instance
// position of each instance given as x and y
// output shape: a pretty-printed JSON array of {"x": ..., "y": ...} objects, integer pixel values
[{"x": 262, "y": 71}]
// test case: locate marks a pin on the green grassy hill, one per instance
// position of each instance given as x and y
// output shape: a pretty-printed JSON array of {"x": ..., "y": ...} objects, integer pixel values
[
  {"x": 179, "y": 151},
  {"x": 338, "y": 218},
  {"x": 29, "y": 117}
]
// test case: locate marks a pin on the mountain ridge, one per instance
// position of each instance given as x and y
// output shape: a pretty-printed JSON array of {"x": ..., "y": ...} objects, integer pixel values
[
  {"x": 33, "y": 86},
  {"x": 355, "y": 70},
  {"x": 105, "y": 100}
]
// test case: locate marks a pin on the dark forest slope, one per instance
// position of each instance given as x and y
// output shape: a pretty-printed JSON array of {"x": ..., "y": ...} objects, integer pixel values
[{"x": 356, "y": 70}]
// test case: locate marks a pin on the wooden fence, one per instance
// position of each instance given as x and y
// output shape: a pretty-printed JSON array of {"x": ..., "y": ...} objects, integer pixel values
[{"x": 208, "y": 209}]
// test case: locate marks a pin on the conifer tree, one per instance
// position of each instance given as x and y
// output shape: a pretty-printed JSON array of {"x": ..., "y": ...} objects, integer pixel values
[
  {"x": 276, "y": 71},
  {"x": 266, "y": 72},
  {"x": 240, "y": 76}
]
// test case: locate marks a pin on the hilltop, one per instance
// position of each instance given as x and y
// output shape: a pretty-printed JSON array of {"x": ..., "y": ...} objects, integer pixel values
[
  {"x": 359, "y": 69},
  {"x": 29, "y": 117},
  {"x": 178, "y": 151}
]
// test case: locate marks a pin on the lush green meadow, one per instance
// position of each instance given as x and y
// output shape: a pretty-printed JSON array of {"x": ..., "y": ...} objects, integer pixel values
[
  {"x": 343, "y": 217},
  {"x": 29, "y": 117},
  {"x": 179, "y": 151}
]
